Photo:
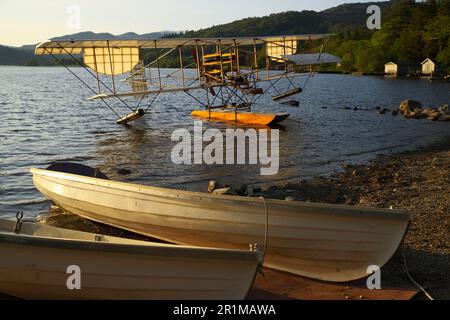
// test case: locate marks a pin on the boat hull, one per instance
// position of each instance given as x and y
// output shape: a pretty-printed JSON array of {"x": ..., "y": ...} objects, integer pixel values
[
  {"x": 36, "y": 268},
  {"x": 250, "y": 118},
  {"x": 325, "y": 242}
]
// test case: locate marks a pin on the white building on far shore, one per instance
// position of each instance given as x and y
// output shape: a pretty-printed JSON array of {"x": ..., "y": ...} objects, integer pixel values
[{"x": 429, "y": 67}]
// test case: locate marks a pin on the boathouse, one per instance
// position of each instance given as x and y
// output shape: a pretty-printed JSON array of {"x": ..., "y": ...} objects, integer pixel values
[{"x": 429, "y": 67}]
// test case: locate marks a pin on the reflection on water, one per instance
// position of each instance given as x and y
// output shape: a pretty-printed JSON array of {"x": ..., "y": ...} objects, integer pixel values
[{"x": 46, "y": 118}]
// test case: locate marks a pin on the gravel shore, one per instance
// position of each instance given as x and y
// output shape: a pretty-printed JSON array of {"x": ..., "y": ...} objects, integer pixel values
[{"x": 418, "y": 181}]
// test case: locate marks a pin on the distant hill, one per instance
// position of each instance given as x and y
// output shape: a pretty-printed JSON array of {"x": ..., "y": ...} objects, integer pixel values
[
  {"x": 89, "y": 35},
  {"x": 14, "y": 56}
]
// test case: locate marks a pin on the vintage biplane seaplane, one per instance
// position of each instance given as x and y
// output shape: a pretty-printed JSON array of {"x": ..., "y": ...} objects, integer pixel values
[{"x": 230, "y": 72}]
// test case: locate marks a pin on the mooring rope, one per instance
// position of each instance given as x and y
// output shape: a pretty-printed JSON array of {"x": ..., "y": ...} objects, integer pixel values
[
  {"x": 19, "y": 218},
  {"x": 411, "y": 278},
  {"x": 266, "y": 233}
]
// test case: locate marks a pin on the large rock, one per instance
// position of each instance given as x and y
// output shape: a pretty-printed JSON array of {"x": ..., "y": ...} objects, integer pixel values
[
  {"x": 430, "y": 111},
  {"x": 417, "y": 114},
  {"x": 225, "y": 191},
  {"x": 434, "y": 116},
  {"x": 445, "y": 110},
  {"x": 409, "y": 106}
]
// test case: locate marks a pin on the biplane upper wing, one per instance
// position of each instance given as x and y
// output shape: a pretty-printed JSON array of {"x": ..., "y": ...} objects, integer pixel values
[
  {"x": 118, "y": 56},
  {"x": 77, "y": 46}
]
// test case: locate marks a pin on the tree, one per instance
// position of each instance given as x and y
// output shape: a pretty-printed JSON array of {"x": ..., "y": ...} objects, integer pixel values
[{"x": 444, "y": 57}]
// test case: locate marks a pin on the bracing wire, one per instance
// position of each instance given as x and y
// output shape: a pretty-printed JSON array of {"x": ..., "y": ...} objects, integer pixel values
[
  {"x": 151, "y": 103},
  {"x": 83, "y": 82},
  {"x": 98, "y": 79}
]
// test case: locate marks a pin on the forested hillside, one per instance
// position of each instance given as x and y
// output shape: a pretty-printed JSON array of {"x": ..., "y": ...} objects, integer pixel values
[
  {"x": 13, "y": 56},
  {"x": 410, "y": 32}
]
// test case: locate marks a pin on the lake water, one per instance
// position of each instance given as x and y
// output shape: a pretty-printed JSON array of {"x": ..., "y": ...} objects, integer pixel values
[{"x": 45, "y": 117}]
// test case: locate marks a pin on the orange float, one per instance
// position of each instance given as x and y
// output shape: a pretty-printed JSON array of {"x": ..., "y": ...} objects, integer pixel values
[{"x": 243, "y": 117}]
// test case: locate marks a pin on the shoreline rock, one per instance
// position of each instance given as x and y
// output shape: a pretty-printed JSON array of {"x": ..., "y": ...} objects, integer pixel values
[{"x": 412, "y": 109}]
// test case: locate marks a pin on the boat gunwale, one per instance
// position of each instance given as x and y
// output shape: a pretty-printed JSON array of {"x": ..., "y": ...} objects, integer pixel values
[
  {"x": 257, "y": 224},
  {"x": 395, "y": 214},
  {"x": 156, "y": 236}
]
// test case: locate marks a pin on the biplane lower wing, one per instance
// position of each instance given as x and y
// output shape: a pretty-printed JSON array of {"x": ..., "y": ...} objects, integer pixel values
[
  {"x": 143, "y": 93},
  {"x": 312, "y": 58},
  {"x": 283, "y": 75}
]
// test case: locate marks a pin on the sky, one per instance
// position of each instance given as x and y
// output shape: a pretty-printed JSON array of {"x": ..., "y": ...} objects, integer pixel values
[{"x": 32, "y": 21}]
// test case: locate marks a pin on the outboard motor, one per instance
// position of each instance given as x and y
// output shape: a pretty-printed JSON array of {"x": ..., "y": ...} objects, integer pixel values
[{"x": 78, "y": 169}]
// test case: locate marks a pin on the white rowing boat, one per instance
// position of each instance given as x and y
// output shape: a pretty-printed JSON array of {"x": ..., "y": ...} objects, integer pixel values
[
  {"x": 34, "y": 264},
  {"x": 326, "y": 242}
]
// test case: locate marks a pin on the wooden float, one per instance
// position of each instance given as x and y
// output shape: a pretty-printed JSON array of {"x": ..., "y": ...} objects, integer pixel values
[{"x": 250, "y": 118}]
